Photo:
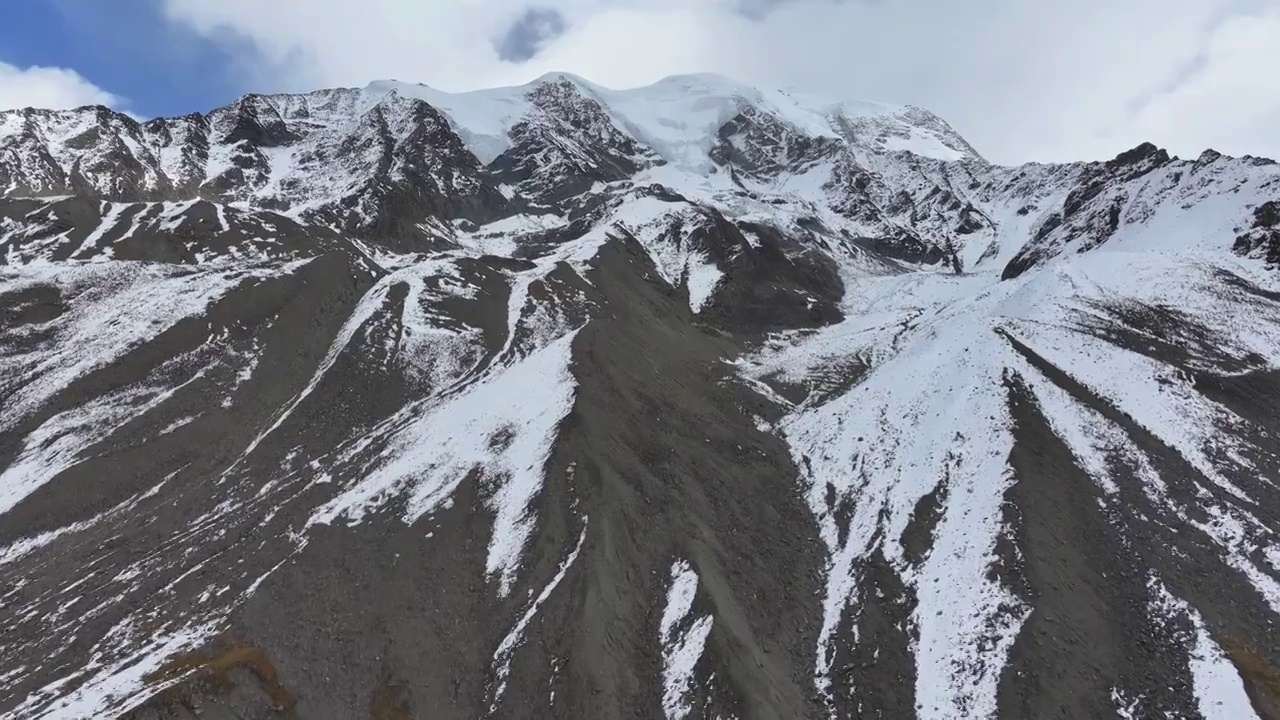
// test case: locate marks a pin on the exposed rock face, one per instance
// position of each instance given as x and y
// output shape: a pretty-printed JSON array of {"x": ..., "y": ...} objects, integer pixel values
[
  {"x": 1262, "y": 239},
  {"x": 385, "y": 168},
  {"x": 565, "y": 145},
  {"x": 692, "y": 401}
]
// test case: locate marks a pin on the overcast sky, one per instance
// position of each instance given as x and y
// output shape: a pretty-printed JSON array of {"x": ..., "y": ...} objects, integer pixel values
[{"x": 1021, "y": 79}]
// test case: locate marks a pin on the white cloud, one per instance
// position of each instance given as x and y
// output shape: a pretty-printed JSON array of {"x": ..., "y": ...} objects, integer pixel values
[
  {"x": 1233, "y": 98},
  {"x": 49, "y": 87},
  {"x": 1022, "y": 80}
]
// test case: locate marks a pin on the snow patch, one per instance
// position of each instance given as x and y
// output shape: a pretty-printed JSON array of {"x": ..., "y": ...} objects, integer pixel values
[
  {"x": 1219, "y": 690},
  {"x": 503, "y": 425},
  {"x": 111, "y": 308},
  {"x": 683, "y": 638},
  {"x": 111, "y": 689}
]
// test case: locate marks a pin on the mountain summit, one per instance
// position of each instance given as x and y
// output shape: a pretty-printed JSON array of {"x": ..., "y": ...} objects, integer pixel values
[{"x": 689, "y": 401}]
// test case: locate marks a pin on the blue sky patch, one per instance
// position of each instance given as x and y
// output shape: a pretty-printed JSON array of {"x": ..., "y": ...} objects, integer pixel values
[{"x": 126, "y": 47}]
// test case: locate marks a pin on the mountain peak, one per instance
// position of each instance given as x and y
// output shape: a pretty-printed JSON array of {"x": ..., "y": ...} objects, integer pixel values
[
  {"x": 1143, "y": 152},
  {"x": 557, "y": 76}
]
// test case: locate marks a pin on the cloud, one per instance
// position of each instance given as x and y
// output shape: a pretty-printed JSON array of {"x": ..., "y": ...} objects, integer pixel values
[
  {"x": 1021, "y": 80},
  {"x": 533, "y": 30},
  {"x": 49, "y": 87},
  {"x": 302, "y": 44},
  {"x": 1232, "y": 96}
]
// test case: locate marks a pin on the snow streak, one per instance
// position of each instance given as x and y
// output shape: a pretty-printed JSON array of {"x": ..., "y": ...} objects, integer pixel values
[
  {"x": 683, "y": 637},
  {"x": 507, "y": 648}
]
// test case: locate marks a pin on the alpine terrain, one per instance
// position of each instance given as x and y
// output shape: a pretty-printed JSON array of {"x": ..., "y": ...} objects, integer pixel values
[{"x": 689, "y": 401}]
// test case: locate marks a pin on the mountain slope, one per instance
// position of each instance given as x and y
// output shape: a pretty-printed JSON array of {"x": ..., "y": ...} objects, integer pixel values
[{"x": 694, "y": 400}]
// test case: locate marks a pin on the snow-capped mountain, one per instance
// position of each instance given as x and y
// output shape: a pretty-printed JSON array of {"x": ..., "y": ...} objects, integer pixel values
[{"x": 687, "y": 401}]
